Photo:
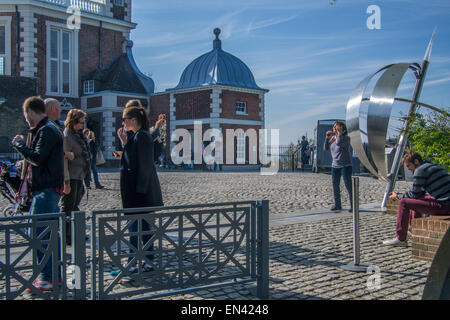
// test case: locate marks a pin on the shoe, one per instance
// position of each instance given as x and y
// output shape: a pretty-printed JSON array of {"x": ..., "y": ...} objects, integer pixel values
[
  {"x": 88, "y": 187},
  {"x": 99, "y": 187},
  {"x": 133, "y": 270},
  {"x": 395, "y": 243},
  {"x": 350, "y": 210},
  {"x": 334, "y": 208},
  {"x": 41, "y": 285}
]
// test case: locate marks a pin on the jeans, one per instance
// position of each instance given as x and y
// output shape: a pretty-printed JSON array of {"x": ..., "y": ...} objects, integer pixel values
[
  {"x": 44, "y": 202},
  {"x": 346, "y": 173},
  {"x": 414, "y": 208},
  {"x": 94, "y": 170}
]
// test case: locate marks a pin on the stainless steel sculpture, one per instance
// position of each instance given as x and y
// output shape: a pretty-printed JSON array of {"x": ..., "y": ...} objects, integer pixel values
[{"x": 368, "y": 125}]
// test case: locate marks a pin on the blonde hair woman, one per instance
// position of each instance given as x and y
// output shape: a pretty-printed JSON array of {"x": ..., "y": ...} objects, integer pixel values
[
  {"x": 90, "y": 136},
  {"x": 79, "y": 166}
]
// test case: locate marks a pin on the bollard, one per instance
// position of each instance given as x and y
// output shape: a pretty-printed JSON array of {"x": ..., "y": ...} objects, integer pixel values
[{"x": 356, "y": 266}]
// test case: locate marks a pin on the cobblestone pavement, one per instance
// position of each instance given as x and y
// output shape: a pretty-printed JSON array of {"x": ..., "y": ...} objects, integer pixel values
[{"x": 308, "y": 244}]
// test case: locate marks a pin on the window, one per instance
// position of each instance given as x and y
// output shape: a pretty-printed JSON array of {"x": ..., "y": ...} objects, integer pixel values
[
  {"x": 2, "y": 50},
  {"x": 88, "y": 87},
  {"x": 118, "y": 3},
  {"x": 60, "y": 59},
  {"x": 241, "y": 107},
  {"x": 240, "y": 147}
]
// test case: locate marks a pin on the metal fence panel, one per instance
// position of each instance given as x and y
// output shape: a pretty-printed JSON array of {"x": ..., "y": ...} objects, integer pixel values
[{"x": 21, "y": 240}]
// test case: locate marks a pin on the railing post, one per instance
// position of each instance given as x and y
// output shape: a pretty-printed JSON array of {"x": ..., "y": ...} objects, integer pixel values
[
  {"x": 262, "y": 288},
  {"x": 78, "y": 226}
]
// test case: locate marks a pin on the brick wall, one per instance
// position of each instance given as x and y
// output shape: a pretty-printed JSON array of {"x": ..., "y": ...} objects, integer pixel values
[
  {"x": 94, "y": 102},
  {"x": 193, "y": 105},
  {"x": 427, "y": 234},
  {"x": 122, "y": 101},
  {"x": 15, "y": 90},
  {"x": 228, "y": 105}
]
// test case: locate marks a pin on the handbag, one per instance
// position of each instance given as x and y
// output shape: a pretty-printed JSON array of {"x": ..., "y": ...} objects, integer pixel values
[{"x": 99, "y": 159}]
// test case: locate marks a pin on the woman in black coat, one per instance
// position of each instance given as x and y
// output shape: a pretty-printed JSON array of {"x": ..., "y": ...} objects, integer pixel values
[{"x": 139, "y": 183}]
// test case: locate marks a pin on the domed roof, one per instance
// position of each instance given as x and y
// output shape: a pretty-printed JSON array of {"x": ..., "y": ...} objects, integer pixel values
[{"x": 217, "y": 67}]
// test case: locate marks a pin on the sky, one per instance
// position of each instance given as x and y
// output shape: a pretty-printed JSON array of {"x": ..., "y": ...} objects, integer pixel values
[{"x": 310, "y": 54}]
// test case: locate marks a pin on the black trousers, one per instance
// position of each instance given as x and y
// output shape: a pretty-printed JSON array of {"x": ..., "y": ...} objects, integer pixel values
[{"x": 70, "y": 202}]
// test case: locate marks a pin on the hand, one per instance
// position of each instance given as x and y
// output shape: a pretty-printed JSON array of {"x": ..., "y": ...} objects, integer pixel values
[
  {"x": 122, "y": 135},
  {"x": 67, "y": 189},
  {"x": 17, "y": 139},
  {"x": 393, "y": 196},
  {"x": 160, "y": 123},
  {"x": 69, "y": 156},
  {"x": 118, "y": 154}
]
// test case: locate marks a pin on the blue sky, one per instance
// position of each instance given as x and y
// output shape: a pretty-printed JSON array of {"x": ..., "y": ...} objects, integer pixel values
[{"x": 308, "y": 53}]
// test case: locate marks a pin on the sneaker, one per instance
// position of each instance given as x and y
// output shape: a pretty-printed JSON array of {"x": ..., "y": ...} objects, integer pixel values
[
  {"x": 395, "y": 243},
  {"x": 133, "y": 270},
  {"x": 99, "y": 187},
  {"x": 350, "y": 210},
  {"x": 41, "y": 285},
  {"x": 334, "y": 208}
]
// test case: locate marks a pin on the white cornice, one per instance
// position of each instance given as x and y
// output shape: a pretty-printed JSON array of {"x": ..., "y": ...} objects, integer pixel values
[
  {"x": 218, "y": 86},
  {"x": 60, "y": 12}
]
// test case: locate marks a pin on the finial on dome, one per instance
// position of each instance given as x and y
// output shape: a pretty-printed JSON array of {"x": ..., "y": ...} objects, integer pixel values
[
  {"x": 217, "y": 44},
  {"x": 217, "y": 32}
]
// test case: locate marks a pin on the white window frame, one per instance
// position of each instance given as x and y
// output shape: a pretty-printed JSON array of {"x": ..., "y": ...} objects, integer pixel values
[
  {"x": 73, "y": 62},
  {"x": 244, "y": 113},
  {"x": 6, "y": 22},
  {"x": 240, "y": 147},
  {"x": 88, "y": 87}
]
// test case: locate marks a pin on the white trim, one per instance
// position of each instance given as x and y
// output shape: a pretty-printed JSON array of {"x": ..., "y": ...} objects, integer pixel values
[
  {"x": 6, "y": 21},
  {"x": 219, "y": 121},
  {"x": 74, "y": 67},
  {"x": 218, "y": 86}
]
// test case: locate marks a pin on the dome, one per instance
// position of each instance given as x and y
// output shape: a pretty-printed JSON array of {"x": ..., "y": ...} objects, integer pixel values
[{"x": 217, "y": 67}]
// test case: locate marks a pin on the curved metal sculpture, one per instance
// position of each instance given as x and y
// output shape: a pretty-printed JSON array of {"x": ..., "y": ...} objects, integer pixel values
[{"x": 368, "y": 130}]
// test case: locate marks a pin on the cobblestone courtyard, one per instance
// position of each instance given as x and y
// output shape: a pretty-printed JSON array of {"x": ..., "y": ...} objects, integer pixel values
[{"x": 308, "y": 244}]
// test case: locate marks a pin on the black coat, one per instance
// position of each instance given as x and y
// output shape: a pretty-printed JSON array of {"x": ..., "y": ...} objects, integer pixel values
[
  {"x": 139, "y": 183},
  {"x": 46, "y": 156}
]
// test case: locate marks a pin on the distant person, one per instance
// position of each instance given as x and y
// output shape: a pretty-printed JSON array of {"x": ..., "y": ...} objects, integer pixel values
[
  {"x": 44, "y": 169},
  {"x": 428, "y": 178},
  {"x": 90, "y": 137},
  {"x": 338, "y": 142},
  {"x": 303, "y": 149}
]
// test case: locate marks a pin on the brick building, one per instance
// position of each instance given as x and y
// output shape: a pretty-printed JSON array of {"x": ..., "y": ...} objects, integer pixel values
[
  {"x": 77, "y": 52},
  {"x": 80, "y": 53},
  {"x": 219, "y": 90}
]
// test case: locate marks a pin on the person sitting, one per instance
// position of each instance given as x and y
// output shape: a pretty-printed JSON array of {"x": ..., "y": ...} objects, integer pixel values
[{"x": 428, "y": 177}]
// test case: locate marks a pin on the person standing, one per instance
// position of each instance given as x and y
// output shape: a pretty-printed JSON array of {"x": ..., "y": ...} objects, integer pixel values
[
  {"x": 79, "y": 166},
  {"x": 303, "y": 148},
  {"x": 90, "y": 137},
  {"x": 139, "y": 183},
  {"x": 428, "y": 177},
  {"x": 44, "y": 173},
  {"x": 338, "y": 142}
]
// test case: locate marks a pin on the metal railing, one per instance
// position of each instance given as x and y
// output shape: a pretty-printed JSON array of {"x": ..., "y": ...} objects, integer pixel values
[
  {"x": 185, "y": 248},
  {"x": 91, "y": 6},
  {"x": 27, "y": 244}
]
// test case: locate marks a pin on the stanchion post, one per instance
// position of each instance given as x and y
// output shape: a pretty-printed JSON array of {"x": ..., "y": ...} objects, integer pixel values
[{"x": 356, "y": 265}]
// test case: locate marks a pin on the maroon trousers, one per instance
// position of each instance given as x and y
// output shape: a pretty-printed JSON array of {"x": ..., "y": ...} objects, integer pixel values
[{"x": 409, "y": 209}]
